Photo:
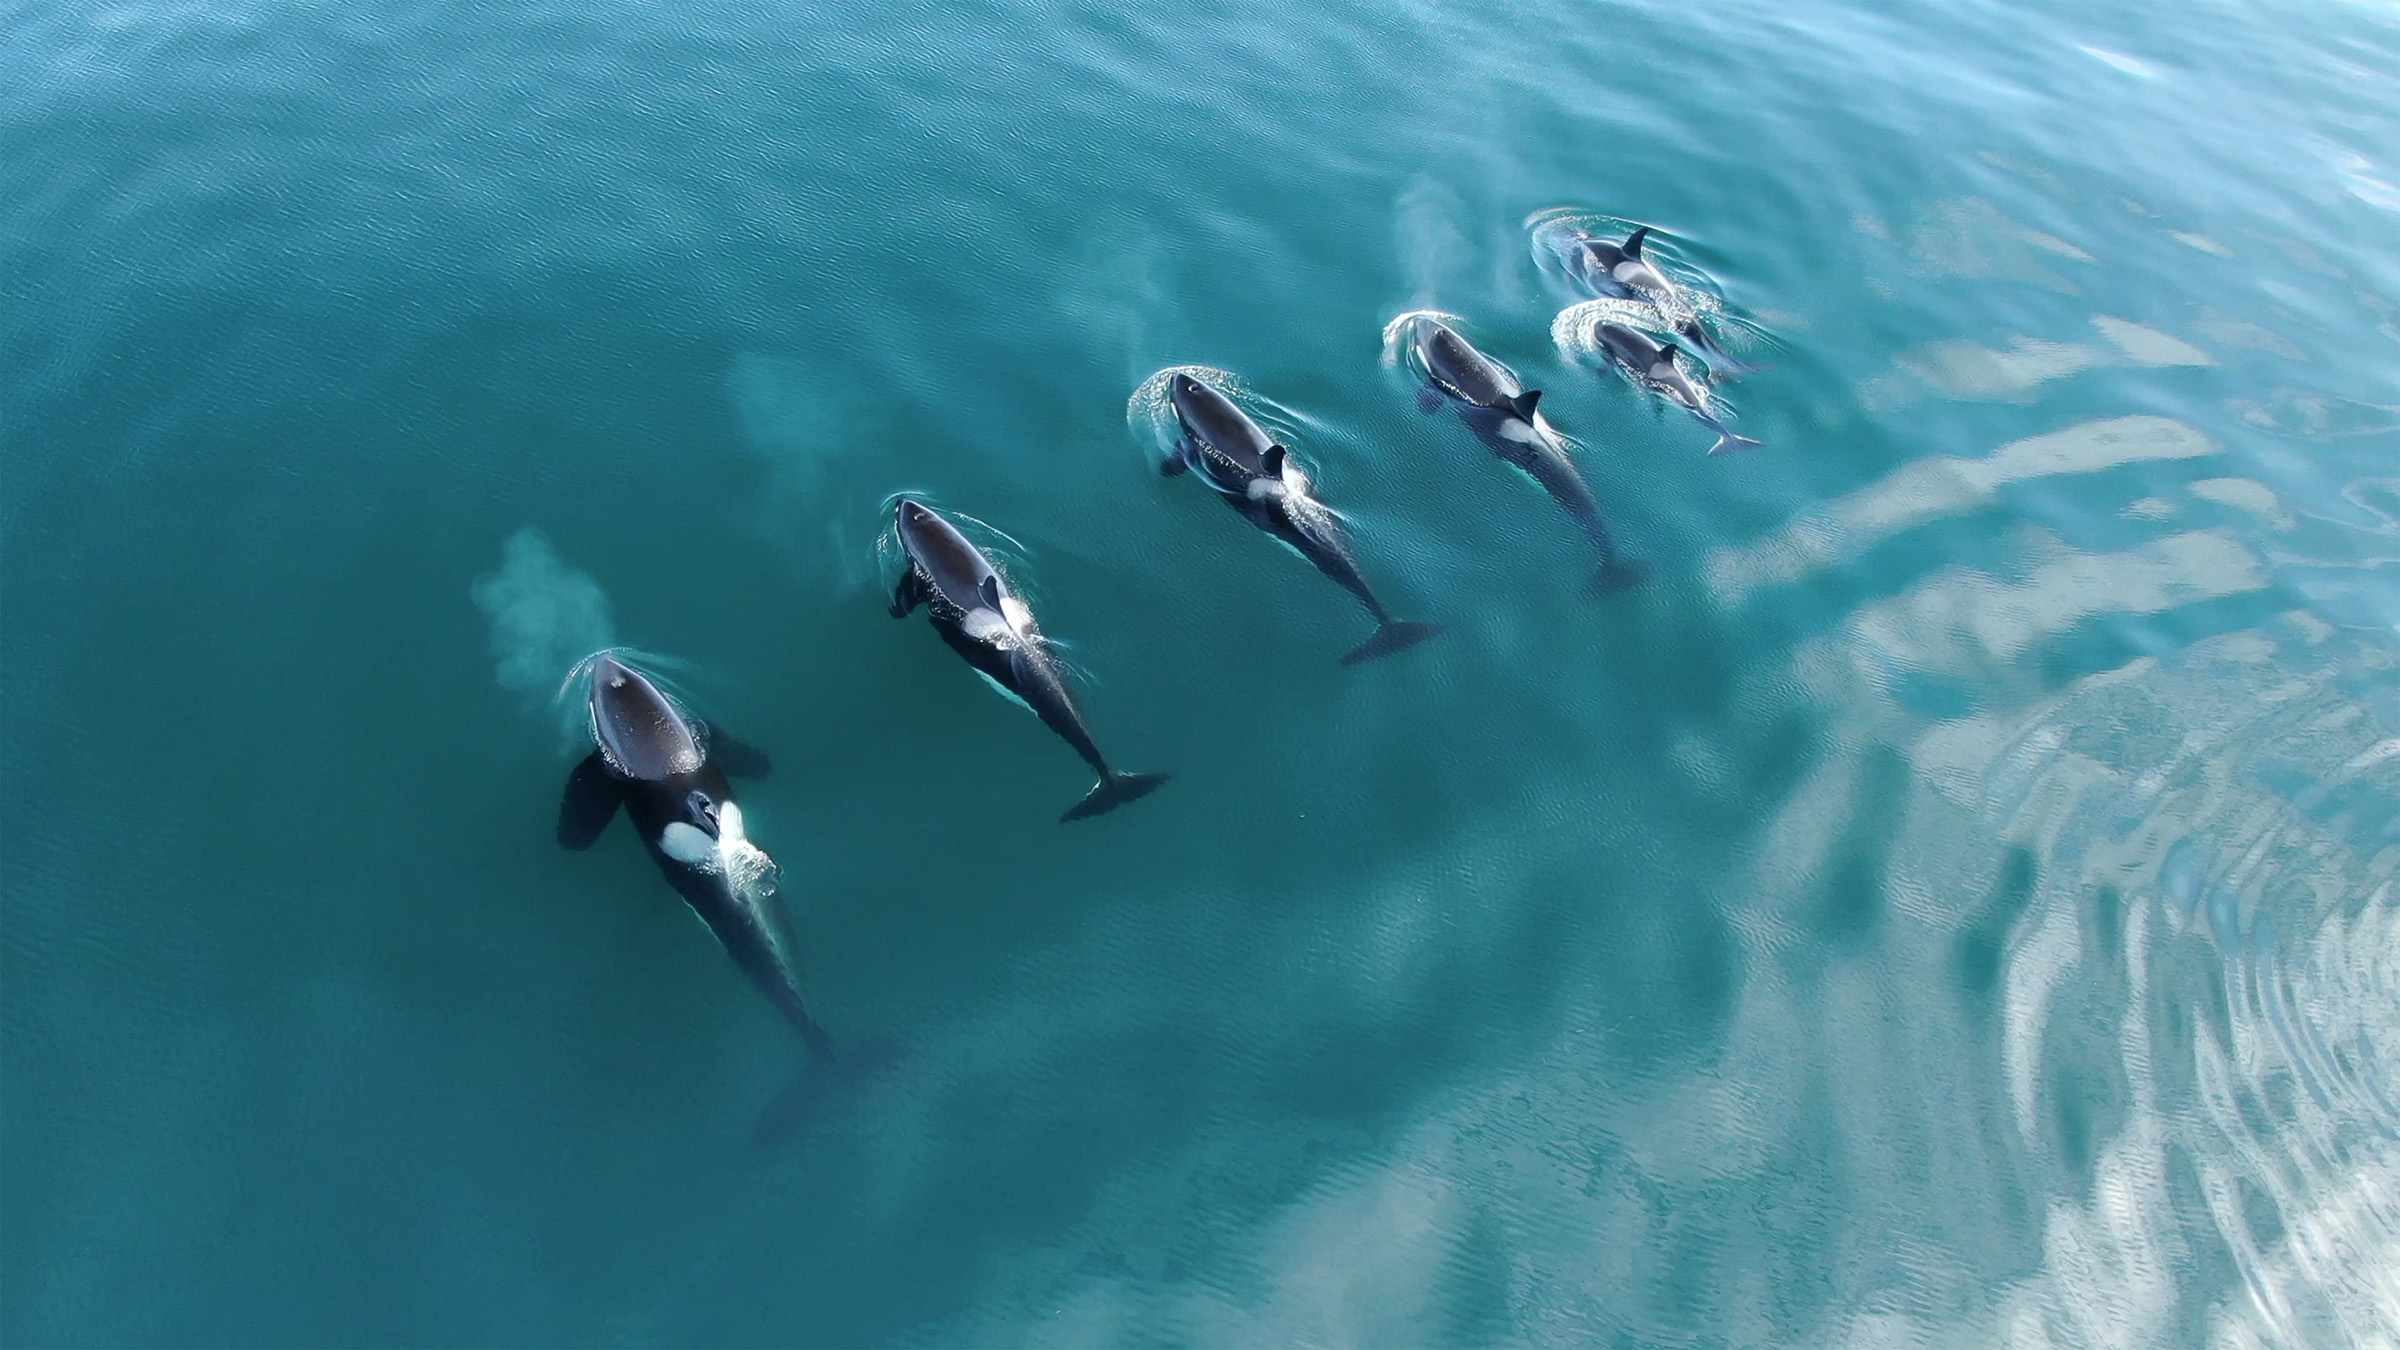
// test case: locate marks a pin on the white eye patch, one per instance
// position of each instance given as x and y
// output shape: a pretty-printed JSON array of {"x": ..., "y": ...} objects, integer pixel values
[{"x": 687, "y": 845}]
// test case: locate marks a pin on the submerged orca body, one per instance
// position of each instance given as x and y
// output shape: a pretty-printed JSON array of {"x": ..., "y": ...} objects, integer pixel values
[
  {"x": 986, "y": 622},
  {"x": 1654, "y": 365},
  {"x": 1257, "y": 477},
  {"x": 668, "y": 771},
  {"x": 1501, "y": 411},
  {"x": 1722, "y": 365}
]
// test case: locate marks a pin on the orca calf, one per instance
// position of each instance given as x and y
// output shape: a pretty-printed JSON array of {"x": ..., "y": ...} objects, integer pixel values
[
  {"x": 1620, "y": 270},
  {"x": 1654, "y": 365},
  {"x": 985, "y": 621},
  {"x": 668, "y": 771},
  {"x": 1501, "y": 411},
  {"x": 1257, "y": 477}
]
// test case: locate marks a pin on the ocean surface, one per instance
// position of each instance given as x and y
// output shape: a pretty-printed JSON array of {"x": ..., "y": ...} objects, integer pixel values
[{"x": 1951, "y": 902}]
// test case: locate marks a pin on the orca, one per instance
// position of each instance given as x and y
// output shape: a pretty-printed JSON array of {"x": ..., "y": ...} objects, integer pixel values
[
  {"x": 1501, "y": 411},
  {"x": 669, "y": 772},
  {"x": 1259, "y": 478},
  {"x": 985, "y": 621},
  {"x": 1620, "y": 270},
  {"x": 1654, "y": 366}
]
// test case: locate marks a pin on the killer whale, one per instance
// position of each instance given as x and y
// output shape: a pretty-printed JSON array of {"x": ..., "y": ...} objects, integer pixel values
[
  {"x": 669, "y": 771},
  {"x": 1500, "y": 410},
  {"x": 983, "y": 619},
  {"x": 1257, "y": 477},
  {"x": 1620, "y": 270},
  {"x": 1654, "y": 366}
]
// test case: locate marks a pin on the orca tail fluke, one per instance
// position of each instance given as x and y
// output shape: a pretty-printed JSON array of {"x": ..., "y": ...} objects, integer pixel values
[
  {"x": 1113, "y": 791},
  {"x": 816, "y": 1086},
  {"x": 1395, "y": 635},
  {"x": 1615, "y": 575},
  {"x": 1727, "y": 443},
  {"x": 801, "y": 1100},
  {"x": 791, "y": 1109}
]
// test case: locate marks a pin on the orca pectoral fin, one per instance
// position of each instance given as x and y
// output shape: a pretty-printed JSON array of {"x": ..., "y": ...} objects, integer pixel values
[
  {"x": 739, "y": 759},
  {"x": 909, "y": 594},
  {"x": 1429, "y": 401},
  {"x": 1173, "y": 465},
  {"x": 1727, "y": 443},
  {"x": 589, "y": 803}
]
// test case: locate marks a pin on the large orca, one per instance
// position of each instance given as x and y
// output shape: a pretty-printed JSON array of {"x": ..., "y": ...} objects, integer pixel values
[
  {"x": 1257, "y": 477},
  {"x": 668, "y": 770},
  {"x": 984, "y": 620},
  {"x": 1501, "y": 411},
  {"x": 1654, "y": 365}
]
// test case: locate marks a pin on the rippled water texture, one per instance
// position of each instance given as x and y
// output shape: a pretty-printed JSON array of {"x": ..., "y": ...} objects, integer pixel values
[{"x": 1950, "y": 903}]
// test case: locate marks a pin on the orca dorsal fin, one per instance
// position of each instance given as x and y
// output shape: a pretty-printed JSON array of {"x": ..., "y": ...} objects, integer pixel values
[
  {"x": 990, "y": 590},
  {"x": 1275, "y": 456},
  {"x": 1667, "y": 353},
  {"x": 1522, "y": 404},
  {"x": 1633, "y": 242}
]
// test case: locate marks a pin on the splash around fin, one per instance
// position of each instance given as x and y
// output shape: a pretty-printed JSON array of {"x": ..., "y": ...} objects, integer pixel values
[
  {"x": 1393, "y": 637},
  {"x": 1112, "y": 792}
]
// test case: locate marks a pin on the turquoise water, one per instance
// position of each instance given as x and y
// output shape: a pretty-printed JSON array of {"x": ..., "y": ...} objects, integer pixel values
[{"x": 1952, "y": 902}]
